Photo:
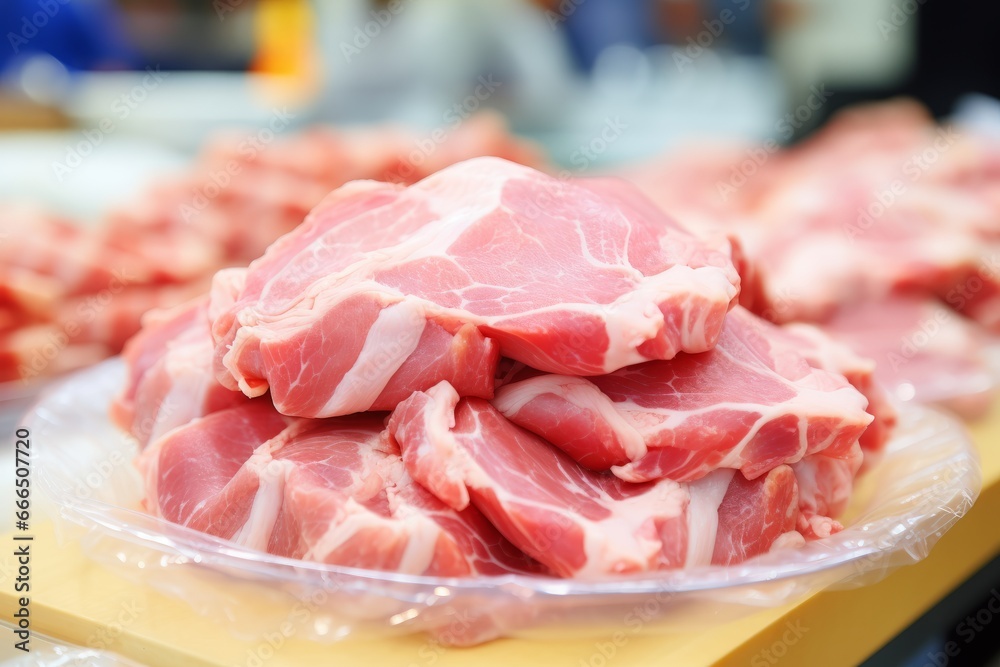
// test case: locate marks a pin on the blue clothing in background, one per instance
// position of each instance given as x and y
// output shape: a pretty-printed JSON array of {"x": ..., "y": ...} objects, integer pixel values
[
  {"x": 747, "y": 33},
  {"x": 593, "y": 25},
  {"x": 81, "y": 34}
]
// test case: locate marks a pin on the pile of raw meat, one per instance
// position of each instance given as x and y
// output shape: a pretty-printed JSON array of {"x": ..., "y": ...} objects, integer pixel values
[
  {"x": 883, "y": 228},
  {"x": 495, "y": 371},
  {"x": 72, "y": 295},
  {"x": 67, "y": 297}
]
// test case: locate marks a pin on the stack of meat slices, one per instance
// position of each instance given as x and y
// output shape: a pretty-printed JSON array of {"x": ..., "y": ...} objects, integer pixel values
[{"x": 495, "y": 371}]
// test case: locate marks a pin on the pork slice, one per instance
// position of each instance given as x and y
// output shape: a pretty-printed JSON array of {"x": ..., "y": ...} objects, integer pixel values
[
  {"x": 112, "y": 317},
  {"x": 830, "y": 241},
  {"x": 390, "y": 347},
  {"x": 72, "y": 255},
  {"x": 826, "y": 478},
  {"x": 821, "y": 351},
  {"x": 189, "y": 472},
  {"x": 752, "y": 404},
  {"x": 332, "y": 491},
  {"x": 825, "y": 484},
  {"x": 29, "y": 295},
  {"x": 923, "y": 351},
  {"x": 42, "y": 350},
  {"x": 170, "y": 379},
  {"x": 483, "y": 254},
  {"x": 754, "y": 514},
  {"x": 578, "y": 522}
]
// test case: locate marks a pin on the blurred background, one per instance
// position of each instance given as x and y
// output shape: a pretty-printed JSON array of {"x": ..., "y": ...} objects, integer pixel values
[
  {"x": 670, "y": 70},
  {"x": 144, "y": 144}
]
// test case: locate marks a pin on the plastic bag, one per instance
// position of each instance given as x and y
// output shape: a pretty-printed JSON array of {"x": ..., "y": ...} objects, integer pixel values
[{"x": 927, "y": 479}]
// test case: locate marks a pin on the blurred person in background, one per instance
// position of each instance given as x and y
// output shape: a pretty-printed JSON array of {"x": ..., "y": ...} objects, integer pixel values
[
  {"x": 413, "y": 60},
  {"x": 417, "y": 58},
  {"x": 562, "y": 68}
]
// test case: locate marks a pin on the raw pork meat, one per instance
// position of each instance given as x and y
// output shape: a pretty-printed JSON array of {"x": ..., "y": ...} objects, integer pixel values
[
  {"x": 170, "y": 379},
  {"x": 923, "y": 351},
  {"x": 113, "y": 318},
  {"x": 579, "y": 522},
  {"x": 564, "y": 278},
  {"x": 836, "y": 253},
  {"x": 25, "y": 295},
  {"x": 38, "y": 350},
  {"x": 74, "y": 257},
  {"x": 752, "y": 403},
  {"x": 880, "y": 201},
  {"x": 825, "y": 484},
  {"x": 333, "y": 491},
  {"x": 823, "y": 352},
  {"x": 881, "y": 206},
  {"x": 90, "y": 286},
  {"x": 390, "y": 347}
]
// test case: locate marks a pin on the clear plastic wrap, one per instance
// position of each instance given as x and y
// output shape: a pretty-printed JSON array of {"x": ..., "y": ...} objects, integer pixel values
[
  {"x": 48, "y": 652},
  {"x": 16, "y": 397},
  {"x": 927, "y": 479}
]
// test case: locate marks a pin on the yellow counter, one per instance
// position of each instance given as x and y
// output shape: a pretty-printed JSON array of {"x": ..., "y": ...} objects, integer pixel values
[{"x": 82, "y": 603}]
